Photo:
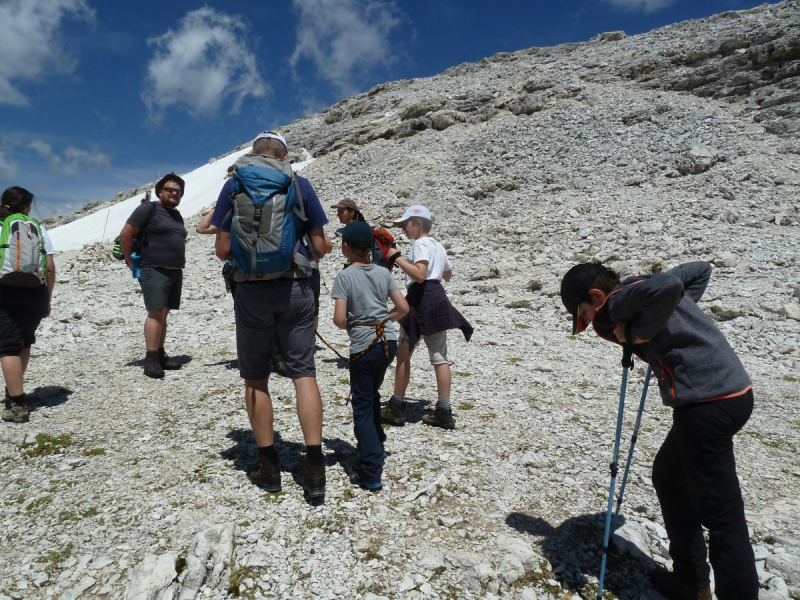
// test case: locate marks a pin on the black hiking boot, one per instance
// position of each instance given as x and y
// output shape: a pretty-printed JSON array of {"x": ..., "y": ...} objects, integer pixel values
[
  {"x": 279, "y": 365},
  {"x": 152, "y": 366},
  {"x": 314, "y": 481},
  {"x": 167, "y": 363},
  {"x": 665, "y": 583},
  {"x": 267, "y": 475},
  {"x": 440, "y": 418},
  {"x": 392, "y": 414}
]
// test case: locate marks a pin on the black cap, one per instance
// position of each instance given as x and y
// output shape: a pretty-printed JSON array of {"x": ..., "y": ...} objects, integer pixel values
[
  {"x": 574, "y": 286},
  {"x": 358, "y": 234}
]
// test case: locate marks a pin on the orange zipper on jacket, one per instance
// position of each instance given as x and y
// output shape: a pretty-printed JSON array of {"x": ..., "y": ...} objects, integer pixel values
[{"x": 664, "y": 369}]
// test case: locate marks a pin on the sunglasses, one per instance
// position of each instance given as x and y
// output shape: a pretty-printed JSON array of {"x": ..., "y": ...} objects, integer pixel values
[{"x": 171, "y": 190}]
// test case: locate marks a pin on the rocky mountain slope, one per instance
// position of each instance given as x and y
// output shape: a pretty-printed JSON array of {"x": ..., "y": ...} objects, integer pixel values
[{"x": 642, "y": 152}]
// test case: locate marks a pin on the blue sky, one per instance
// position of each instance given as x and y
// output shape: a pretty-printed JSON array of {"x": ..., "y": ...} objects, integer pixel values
[{"x": 98, "y": 97}]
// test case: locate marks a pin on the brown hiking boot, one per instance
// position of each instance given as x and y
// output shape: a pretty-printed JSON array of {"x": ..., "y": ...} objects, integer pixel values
[
  {"x": 665, "y": 583},
  {"x": 314, "y": 480},
  {"x": 167, "y": 363},
  {"x": 152, "y": 366},
  {"x": 440, "y": 418},
  {"x": 392, "y": 414},
  {"x": 15, "y": 412},
  {"x": 267, "y": 475}
]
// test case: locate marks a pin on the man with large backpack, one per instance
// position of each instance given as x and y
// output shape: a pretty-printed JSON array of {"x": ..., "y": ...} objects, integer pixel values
[{"x": 270, "y": 224}]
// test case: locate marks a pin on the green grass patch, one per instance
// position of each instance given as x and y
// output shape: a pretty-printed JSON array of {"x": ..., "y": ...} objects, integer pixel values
[
  {"x": 47, "y": 444},
  {"x": 522, "y": 326},
  {"x": 466, "y": 406},
  {"x": 462, "y": 373},
  {"x": 789, "y": 378},
  {"x": 95, "y": 452},
  {"x": 514, "y": 360}
]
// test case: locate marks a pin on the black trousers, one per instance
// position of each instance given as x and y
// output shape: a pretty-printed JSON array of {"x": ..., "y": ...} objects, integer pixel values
[{"x": 694, "y": 474}]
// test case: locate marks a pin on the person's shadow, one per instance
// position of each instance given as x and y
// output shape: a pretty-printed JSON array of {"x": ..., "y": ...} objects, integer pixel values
[
  {"x": 47, "y": 397},
  {"x": 415, "y": 408},
  {"x": 244, "y": 453},
  {"x": 181, "y": 359},
  {"x": 231, "y": 364},
  {"x": 574, "y": 550}
]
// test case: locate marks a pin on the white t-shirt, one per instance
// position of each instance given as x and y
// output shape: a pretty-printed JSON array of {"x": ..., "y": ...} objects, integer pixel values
[
  {"x": 429, "y": 249},
  {"x": 48, "y": 245}
]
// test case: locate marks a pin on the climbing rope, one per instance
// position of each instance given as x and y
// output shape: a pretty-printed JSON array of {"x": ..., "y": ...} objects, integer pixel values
[{"x": 380, "y": 334}]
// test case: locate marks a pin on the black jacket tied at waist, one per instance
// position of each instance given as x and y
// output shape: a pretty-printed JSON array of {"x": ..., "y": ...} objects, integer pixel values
[{"x": 430, "y": 312}]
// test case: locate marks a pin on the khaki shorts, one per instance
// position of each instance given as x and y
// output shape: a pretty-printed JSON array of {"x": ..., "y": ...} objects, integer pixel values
[{"x": 436, "y": 343}]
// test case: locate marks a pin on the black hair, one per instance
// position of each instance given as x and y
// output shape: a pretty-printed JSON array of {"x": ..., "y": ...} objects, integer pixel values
[
  {"x": 359, "y": 215},
  {"x": 605, "y": 281},
  {"x": 360, "y": 251},
  {"x": 15, "y": 200}
]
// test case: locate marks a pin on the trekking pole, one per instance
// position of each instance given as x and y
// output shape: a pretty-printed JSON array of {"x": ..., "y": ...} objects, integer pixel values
[
  {"x": 104, "y": 226},
  {"x": 627, "y": 362},
  {"x": 634, "y": 437}
]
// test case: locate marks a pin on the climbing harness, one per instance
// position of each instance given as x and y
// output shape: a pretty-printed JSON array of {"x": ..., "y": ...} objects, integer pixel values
[
  {"x": 380, "y": 334},
  {"x": 627, "y": 363}
]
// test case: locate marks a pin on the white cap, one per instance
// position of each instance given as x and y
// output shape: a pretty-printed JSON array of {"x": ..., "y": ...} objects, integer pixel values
[
  {"x": 274, "y": 135},
  {"x": 416, "y": 210}
]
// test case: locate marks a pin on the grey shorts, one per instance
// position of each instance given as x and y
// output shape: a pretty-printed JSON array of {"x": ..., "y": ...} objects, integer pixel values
[
  {"x": 282, "y": 311},
  {"x": 436, "y": 343},
  {"x": 161, "y": 288}
]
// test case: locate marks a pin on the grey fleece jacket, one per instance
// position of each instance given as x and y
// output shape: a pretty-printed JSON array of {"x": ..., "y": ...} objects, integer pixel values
[{"x": 690, "y": 357}]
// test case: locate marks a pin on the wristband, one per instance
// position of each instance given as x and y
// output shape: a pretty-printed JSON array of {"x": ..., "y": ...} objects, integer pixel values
[{"x": 394, "y": 258}]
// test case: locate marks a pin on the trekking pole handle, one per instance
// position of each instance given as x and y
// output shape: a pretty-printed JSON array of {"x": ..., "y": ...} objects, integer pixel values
[{"x": 627, "y": 356}]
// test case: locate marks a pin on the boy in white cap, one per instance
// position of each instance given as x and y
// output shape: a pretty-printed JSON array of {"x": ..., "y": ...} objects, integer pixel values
[{"x": 429, "y": 317}]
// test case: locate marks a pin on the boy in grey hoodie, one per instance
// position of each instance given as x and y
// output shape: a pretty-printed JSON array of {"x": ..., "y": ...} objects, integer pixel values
[{"x": 702, "y": 379}]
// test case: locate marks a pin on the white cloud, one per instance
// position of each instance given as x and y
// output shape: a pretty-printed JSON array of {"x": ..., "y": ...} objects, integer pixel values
[
  {"x": 647, "y": 6},
  {"x": 73, "y": 161},
  {"x": 202, "y": 64},
  {"x": 344, "y": 36},
  {"x": 9, "y": 169},
  {"x": 31, "y": 43}
]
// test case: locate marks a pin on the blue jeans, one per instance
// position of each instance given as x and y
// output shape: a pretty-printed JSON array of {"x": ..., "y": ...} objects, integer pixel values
[{"x": 366, "y": 377}]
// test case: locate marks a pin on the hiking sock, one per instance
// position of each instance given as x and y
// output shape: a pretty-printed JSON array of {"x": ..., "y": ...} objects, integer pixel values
[
  {"x": 443, "y": 403},
  {"x": 314, "y": 454},
  {"x": 398, "y": 401},
  {"x": 269, "y": 453}
]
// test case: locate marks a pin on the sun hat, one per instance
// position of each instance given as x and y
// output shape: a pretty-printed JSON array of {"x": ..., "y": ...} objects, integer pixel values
[
  {"x": 574, "y": 286},
  {"x": 170, "y": 177},
  {"x": 415, "y": 210},
  {"x": 345, "y": 203}
]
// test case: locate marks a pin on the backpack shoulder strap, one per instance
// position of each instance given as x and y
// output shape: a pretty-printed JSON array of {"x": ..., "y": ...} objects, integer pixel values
[{"x": 300, "y": 211}]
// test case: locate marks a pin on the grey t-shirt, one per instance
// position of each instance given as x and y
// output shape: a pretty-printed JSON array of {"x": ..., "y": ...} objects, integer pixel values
[
  {"x": 165, "y": 240},
  {"x": 366, "y": 290}
]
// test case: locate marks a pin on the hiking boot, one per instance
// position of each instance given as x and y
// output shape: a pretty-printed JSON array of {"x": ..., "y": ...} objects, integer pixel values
[
  {"x": 665, "y": 583},
  {"x": 167, "y": 363},
  {"x": 279, "y": 365},
  {"x": 393, "y": 414},
  {"x": 152, "y": 366},
  {"x": 314, "y": 480},
  {"x": 440, "y": 418},
  {"x": 267, "y": 475},
  {"x": 372, "y": 487},
  {"x": 15, "y": 412}
]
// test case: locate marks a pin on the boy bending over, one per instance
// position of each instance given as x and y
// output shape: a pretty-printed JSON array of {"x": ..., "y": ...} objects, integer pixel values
[{"x": 702, "y": 379}]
